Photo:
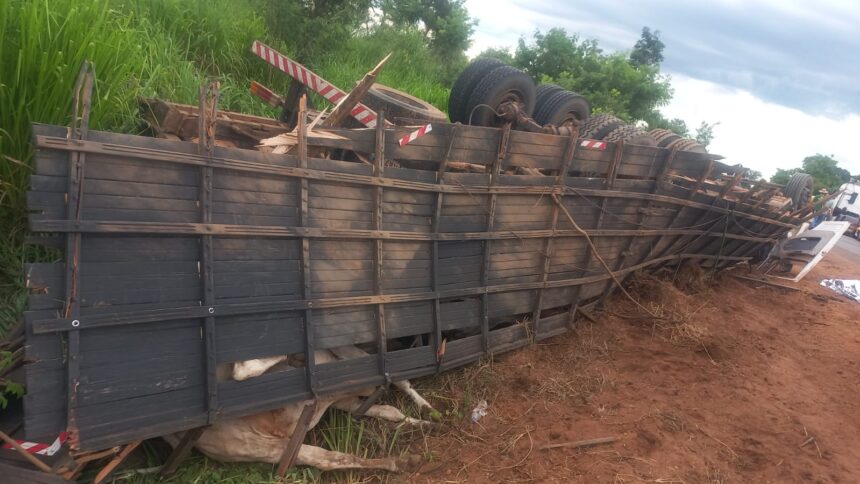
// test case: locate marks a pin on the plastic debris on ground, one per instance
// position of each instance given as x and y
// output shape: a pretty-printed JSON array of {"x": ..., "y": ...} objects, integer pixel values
[
  {"x": 847, "y": 287},
  {"x": 479, "y": 411}
]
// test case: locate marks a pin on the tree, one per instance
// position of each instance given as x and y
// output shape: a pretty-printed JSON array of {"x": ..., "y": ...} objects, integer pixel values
[
  {"x": 754, "y": 174},
  {"x": 500, "y": 53},
  {"x": 609, "y": 81},
  {"x": 648, "y": 50},
  {"x": 446, "y": 24},
  {"x": 312, "y": 27},
  {"x": 782, "y": 176},
  {"x": 675, "y": 125},
  {"x": 705, "y": 133},
  {"x": 824, "y": 169}
]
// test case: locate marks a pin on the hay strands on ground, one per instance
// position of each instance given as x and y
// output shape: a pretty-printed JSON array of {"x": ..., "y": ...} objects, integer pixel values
[{"x": 579, "y": 443}]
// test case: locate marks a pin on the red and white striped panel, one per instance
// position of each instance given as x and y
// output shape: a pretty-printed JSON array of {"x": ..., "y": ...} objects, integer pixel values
[
  {"x": 41, "y": 449},
  {"x": 415, "y": 134},
  {"x": 362, "y": 113},
  {"x": 593, "y": 145}
]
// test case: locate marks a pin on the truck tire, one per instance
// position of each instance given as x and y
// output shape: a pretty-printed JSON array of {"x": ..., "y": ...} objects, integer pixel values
[
  {"x": 686, "y": 144},
  {"x": 562, "y": 107},
  {"x": 596, "y": 127},
  {"x": 799, "y": 189},
  {"x": 631, "y": 134},
  {"x": 502, "y": 84},
  {"x": 398, "y": 104},
  {"x": 664, "y": 137},
  {"x": 544, "y": 92},
  {"x": 465, "y": 84}
]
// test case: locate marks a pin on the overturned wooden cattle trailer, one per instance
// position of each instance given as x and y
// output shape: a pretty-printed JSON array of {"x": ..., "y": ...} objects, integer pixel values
[{"x": 177, "y": 259}]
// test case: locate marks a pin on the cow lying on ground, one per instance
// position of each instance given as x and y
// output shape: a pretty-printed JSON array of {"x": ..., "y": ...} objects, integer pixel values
[{"x": 262, "y": 437}]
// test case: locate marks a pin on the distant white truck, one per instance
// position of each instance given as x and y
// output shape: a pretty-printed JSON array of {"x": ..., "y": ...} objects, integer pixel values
[{"x": 847, "y": 207}]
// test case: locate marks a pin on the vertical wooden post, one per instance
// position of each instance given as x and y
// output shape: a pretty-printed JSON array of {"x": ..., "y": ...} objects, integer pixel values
[
  {"x": 564, "y": 167},
  {"x": 588, "y": 259},
  {"x": 79, "y": 129},
  {"x": 379, "y": 168},
  {"x": 208, "y": 115},
  {"x": 504, "y": 141},
  {"x": 310, "y": 361},
  {"x": 434, "y": 228}
]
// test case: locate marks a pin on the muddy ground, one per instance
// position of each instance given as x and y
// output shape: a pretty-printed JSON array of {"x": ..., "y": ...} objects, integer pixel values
[{"x": 735, "y": 382}]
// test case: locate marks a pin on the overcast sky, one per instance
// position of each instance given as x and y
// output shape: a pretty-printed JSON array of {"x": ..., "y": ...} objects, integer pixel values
[{"x": 782, "y": 78}]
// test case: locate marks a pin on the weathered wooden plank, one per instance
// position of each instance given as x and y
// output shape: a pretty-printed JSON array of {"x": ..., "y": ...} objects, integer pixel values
[
  {"x": 240, "y": 338},
  {"x": 270, "y": 390}
]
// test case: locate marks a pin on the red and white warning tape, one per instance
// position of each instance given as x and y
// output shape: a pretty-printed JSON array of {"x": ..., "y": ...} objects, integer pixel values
[
  {"x": 362, "y": 113},
  {"x": 415, "y": 134},
  {"x": 592, "y": 144},
  {"x": 266, "y": 94},
  {"x": 41, "y": 449}
]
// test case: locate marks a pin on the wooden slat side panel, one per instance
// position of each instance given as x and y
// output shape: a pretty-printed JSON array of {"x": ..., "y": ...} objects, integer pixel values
[
  {"x": 341, "y": 268},
  {"x": 139, "y": 379},
  {"x": 240, "y": 338},
  {"x": 406, "y": 267}
]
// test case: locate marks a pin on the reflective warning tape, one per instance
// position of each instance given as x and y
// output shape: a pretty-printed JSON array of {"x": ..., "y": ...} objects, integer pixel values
[
  {"x": 592, "y": 144},
  {"x": 41, "y": 449},
  {"x": 300, "y": 73},
  {"x": 415, "y": 134}
]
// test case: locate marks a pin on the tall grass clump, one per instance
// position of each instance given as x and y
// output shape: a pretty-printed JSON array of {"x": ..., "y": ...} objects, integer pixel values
[{"x": 42, "y": 45}]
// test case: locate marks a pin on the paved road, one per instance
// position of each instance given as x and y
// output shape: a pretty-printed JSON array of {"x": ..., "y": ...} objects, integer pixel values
[{"x": 849, "y": 248}]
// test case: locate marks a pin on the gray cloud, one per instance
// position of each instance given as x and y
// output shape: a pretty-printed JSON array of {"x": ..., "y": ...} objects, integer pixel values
[{"x": 804, "y": 57}]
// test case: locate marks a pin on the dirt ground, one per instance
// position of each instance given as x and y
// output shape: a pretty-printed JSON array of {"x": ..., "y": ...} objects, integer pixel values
[{"x": 736, "y": 382}]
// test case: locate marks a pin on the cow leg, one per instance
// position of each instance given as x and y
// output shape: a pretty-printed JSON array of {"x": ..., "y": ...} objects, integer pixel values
[
  {"x": 384, "y": 412},
  {"x": 329, "y": 460},
  {"x": 406, "y": 388}
]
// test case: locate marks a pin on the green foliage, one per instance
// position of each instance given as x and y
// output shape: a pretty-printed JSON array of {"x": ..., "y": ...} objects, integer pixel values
[
  {"x": 501, "y": 53},
  {"x": 648, "y": 50},
  {"x": 754, "y": 175},
  {"x": 824, "y": 169},
  {"x": 313, "y": 28},
  {"x": 705, "y": 133},
  {"x": 8, "y": 387},
  {"x": 609, "y": 81},
  {"x": 446, "y": 25},
  {"x": 676, "y": 125},
  {"x": 782, "y": 176},
  {"x": 411, "y": 68}
]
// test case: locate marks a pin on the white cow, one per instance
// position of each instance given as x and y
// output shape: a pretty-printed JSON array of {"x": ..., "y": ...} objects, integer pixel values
[{"x": 262, "y": 437}]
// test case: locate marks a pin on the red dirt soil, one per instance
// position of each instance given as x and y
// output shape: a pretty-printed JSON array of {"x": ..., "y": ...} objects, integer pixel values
[{"x": 727, "y": 394}]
